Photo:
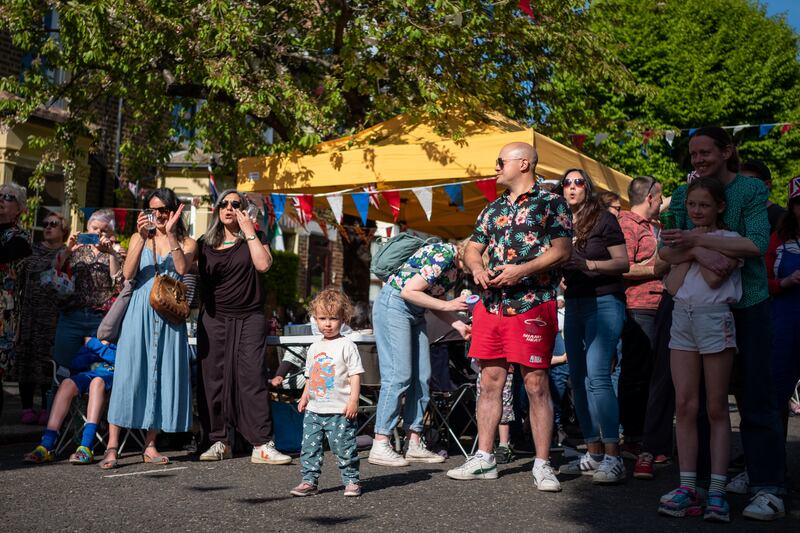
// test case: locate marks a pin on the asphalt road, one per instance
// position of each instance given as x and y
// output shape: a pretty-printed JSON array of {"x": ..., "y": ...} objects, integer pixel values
[{"x": 238, "y": 496}]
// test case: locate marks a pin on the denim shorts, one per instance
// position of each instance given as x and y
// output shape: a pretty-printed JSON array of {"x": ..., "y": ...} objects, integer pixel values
[
  {"x": 706, "y": 329},
  {"x": 82, "y": 380}
]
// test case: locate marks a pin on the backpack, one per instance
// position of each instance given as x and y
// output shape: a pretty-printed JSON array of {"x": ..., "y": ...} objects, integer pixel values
[{"x": 392, "y": 253}]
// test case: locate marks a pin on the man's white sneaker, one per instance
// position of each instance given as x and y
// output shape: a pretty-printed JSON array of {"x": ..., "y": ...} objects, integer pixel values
[
  {"x": 418, "y": 453},
  {"x": 611, "y": 470},
  {"x": 765, "y": 506},
  {"x": 268, "y": 454},
  {"x": 383, "y": 454},
  {"x": 217, "y": 452},
  {"x": 545, "y": 479},
  {"x": 583, "y": 465},
  {"x": 474, "y": 468},
  {"x": 739, "y": 485}
]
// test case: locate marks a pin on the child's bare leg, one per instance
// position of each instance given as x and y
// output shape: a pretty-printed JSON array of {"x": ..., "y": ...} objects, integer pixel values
[
  {"x": 717, "y": 377},
  {"x": 97, "y": 395},
  {"x": 64, "y": 395},
  {"x": 686, "y": 377}
]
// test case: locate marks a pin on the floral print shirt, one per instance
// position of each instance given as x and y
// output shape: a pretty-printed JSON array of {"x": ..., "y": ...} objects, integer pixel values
[
  {"x": 436, "y": 263},
  {"x": 515, "y": 233}
]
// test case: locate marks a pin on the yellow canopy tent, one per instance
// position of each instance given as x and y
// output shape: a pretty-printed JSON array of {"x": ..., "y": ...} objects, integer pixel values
[{"x": 401, "y": 154}]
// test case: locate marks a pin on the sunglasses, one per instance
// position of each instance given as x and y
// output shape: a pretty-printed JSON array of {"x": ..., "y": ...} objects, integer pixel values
[
  {"x": 8, "y": 197},
  {"x": 500, "y": 162},
  {"x": 236, "y": 204},
  {"x": 578, "y": 182},
  {"x": 51, "y": 224},
  {"x": 161, "y": 210}
]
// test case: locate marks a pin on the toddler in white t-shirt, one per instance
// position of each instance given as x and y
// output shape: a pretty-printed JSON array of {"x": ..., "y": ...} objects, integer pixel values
[{"x": 330, "y": 397}]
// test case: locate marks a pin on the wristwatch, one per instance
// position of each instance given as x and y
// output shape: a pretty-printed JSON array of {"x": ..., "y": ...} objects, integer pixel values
[{"x": 252, "y": 237}]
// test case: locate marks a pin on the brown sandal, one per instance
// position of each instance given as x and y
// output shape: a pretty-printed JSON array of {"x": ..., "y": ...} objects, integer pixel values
[
  {"x": 154, "y": 460},
  {"x": 108, "y": 464}
]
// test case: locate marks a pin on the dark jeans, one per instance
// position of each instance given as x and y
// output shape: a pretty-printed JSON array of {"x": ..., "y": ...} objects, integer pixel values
[
  {"x": 559, "y": 380},
  {"x": 657, "y": 434},
  {"x": 761, "y": 427},
  {"x": 638, "y": 340}
]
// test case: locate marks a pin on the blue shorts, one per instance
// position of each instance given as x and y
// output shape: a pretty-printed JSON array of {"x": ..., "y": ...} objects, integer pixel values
[{"x": 82, "y": 380}]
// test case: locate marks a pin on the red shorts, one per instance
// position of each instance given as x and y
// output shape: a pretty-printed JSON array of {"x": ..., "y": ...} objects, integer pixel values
[{"x": 526, "y": 339}]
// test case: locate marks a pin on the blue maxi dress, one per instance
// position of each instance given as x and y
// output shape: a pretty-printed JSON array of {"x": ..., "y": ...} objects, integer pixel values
[{"x": 152, "y": 381}]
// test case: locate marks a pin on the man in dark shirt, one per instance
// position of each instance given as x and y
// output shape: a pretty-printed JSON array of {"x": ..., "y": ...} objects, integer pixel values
[
  {"x": 758, "y": 169},
  {"x": 528, "y": 234}
]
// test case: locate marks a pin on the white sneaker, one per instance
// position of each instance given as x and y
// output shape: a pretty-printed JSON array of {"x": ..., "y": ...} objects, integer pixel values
[
  {"x": 739, "y": 485},
  {"x": 582, "y": 465},
  {"x": 383, "y": 454},
  {"x": 217, "y": 452},
  {"x": 545, "y": 479},
  {"x": 611, "y": 470},
  {"x": 765, "y": 506},
  {"x": 418, "y": 453},
  {"x": 268, "y": 454},
  {"x": 474, "y": 468}
]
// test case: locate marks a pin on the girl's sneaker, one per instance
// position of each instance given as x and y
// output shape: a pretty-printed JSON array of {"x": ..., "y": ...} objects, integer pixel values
[
  {"x": 39, "y": 455},
  {"x": 717, "y": 509},
  {"x": 682, "y": 501},
  {"x": 82, "y": 456},
  {"x": 304, "y": 489},
  {"x": 352, "y": 490}
]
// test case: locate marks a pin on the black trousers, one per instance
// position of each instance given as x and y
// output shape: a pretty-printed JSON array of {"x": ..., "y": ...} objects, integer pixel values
[
  {"x": 638, "y": 355},
  {"x": 658, "y": 424},
  {"x": 233, "y": 384}
]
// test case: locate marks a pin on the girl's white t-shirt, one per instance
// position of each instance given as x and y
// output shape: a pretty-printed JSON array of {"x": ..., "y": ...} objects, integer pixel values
[
  {"x": 695, "y": 290},
  {"x": 329, "y": 365}
]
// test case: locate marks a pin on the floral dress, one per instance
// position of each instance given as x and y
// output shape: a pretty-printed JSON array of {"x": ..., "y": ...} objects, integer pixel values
[{"x": 14, "y": 246}]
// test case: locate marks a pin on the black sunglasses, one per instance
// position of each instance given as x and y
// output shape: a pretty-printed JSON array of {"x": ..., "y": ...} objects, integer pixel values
[
  {"x": 500, "y": 162},
  {"x": 578, "y": 182},
  {"x": 8, "y": 197},
  {"x": 236, "y": 204},
  {"x": 51, "y": 224},
  {"x": 161, "y": 210}
]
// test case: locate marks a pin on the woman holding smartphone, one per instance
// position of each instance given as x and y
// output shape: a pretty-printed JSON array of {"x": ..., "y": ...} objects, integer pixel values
[{"x": 97, "y": 274}]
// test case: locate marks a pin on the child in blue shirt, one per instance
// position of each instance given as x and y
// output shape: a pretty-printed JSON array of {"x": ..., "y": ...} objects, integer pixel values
[{"x": 93, "y": 372}]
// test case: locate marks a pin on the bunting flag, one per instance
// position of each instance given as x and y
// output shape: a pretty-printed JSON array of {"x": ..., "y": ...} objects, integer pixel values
[
  {"x": 388, "y": 231},
  {"x": 488, "y": 187},
  {"x": 525, "y": 7},
  {"x": 691, "y": 131},
  {"x": 212, "y": 185},
  {"x": 278, "y": 204},
  {"x": 304, "y": 205},
  {"x": 361, "y": 199},
  {"x": 737, "y": 129},
  {"x": 335, "y": 201},
  {"x": 669, "y": 136},
  {"x": 785, "y": 128},
  {"x": 120, "y": 214},
  {"x": 373, "y": 196},
  {"x": 646, "y": 136},
  {"x": 578, "y": 139},
  {"x": 87, "y": 212},
  {"x": 393, "y": 199},
  {"x": 764, "y": 129},
  {"x": 456, "y": 195},
  {"x": 133, "y": 188},
  {"x": 269, "y": 212},
  {"x": 425, "y": 197},
  {"x": 599, "y": 138}
]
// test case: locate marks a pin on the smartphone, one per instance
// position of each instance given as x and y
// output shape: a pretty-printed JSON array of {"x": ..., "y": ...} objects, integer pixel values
[{"x": 88, "y": 238}]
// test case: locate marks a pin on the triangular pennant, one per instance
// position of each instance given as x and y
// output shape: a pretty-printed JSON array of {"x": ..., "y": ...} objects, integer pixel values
[
  {"x": 361, "y": 199},
  {"x": 764, "y": 129},
  {"x": 646, "y": 136},
  {"x": 643, "y": 151},
  {"x": 740, "y": 127},
  {"x": 335, "y": 201},
  {"x": 87, "y": 212},
  {"x": 578, "y": 139},
  {"x": 393, "y": 199},
  {"x": 669, "y": 136},
  {"x": 120, "y": 215},
  {"x": 692, "y": 131},
  {"x": 388, "y": 231},
  {"x": 525, "y": 7},
  {"x": 488, "y": 187},
  {"x": 425, "y": 197},
  {"x": 456, "y": 195},
  {"x": 794, "y": 187},
  {"x": 599, "y": 138},
  {"x": 304, "y": 205},
  {"x": 278, "y": 204},
  {"x": 373, "y": 196},
  {"x": 785, "y": 128},
  {"x": 269, "y": 212}
]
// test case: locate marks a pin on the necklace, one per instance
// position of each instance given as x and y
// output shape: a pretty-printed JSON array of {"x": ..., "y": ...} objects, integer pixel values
[{"x": 229, "y": 242}]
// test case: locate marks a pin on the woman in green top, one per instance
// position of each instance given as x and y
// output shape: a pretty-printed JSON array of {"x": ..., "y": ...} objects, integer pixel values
[{"x": 713, "y": 155}]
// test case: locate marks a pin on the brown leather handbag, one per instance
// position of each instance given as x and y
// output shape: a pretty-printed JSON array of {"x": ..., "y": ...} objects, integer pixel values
[{"x": 169, "y": 296}]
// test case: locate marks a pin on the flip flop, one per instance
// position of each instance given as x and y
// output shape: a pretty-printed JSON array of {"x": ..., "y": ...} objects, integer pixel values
[
  {"x": 155, "y": 460},
  {"x": 108, "y": 464}
]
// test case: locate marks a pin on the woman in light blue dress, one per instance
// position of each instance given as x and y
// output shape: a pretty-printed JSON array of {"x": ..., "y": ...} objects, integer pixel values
[{"x": 152, "y": 384}]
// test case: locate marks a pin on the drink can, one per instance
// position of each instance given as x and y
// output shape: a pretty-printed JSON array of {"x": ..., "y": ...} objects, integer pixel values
[
  {"x": 668, "y": 220},
  {"x": 472, "y": 301}
]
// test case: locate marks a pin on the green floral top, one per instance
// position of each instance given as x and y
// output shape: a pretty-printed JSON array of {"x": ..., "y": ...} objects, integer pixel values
[
  {"x": 746, "y": 214},
  {"x": 436, "y": 263},
  {"x": 516, "y": 233}
]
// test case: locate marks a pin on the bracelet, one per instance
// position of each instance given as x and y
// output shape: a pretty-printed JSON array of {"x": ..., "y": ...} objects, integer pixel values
[{"x": 175, "y": 249}]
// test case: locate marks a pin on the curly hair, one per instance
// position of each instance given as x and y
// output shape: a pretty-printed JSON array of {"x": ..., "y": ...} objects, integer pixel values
[{"x": 332, "y": 302}]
